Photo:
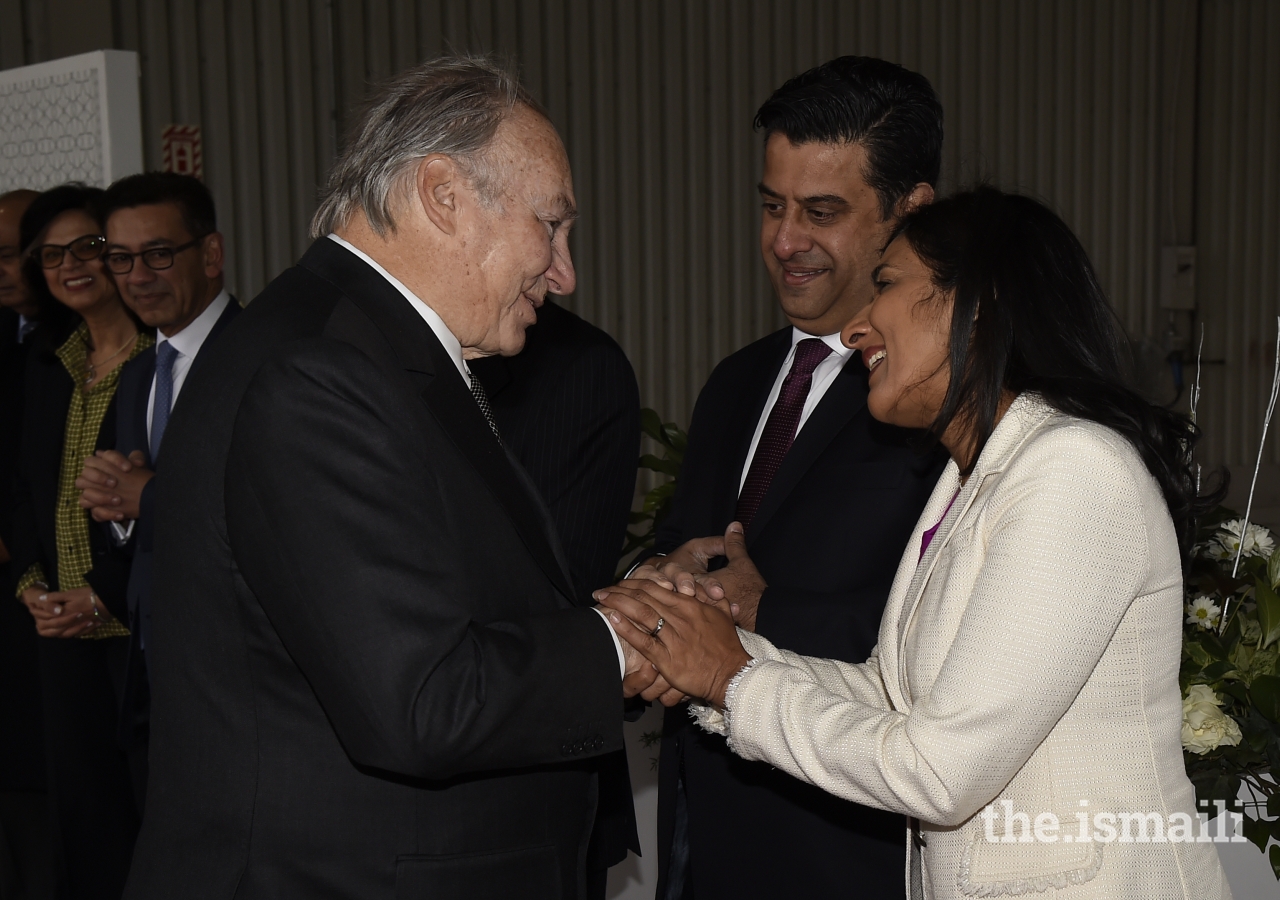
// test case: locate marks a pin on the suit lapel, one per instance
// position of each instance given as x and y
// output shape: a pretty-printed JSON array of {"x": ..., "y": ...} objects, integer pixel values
[
  {"x": 232, "y": 310},
  {"x": 447, "y": 398},
  {"x": 842, "y": 401},
  {"x": 1021, "y": 419},
  {"x": 134, "y": 398}
]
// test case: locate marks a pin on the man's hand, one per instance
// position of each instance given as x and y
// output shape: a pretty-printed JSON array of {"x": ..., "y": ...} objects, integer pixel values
[
  {"x": 111, "y": 485},
  {"x": 685, "y": 568},
  {"x": 740, "y": 580},
  {"x": 65, "y": 614}
]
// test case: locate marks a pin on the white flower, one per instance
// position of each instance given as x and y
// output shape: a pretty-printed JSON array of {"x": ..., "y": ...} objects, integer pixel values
[
  {"x": 1204, "y": 612},
  {"x": 1205, "y": 726},
  {"x": 1257, "y": 540}
]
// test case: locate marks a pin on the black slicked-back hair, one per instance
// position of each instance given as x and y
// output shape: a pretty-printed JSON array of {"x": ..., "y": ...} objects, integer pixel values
[
  {"x": 186, "y": 192},
  {"x": 892, "y": 112}
]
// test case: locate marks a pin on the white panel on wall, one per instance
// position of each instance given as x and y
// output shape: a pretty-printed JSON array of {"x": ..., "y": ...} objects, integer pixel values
[{"x": 70, "y": 119}]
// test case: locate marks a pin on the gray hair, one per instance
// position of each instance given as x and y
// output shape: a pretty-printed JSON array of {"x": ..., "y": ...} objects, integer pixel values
[{"x": 452, "y": 105}]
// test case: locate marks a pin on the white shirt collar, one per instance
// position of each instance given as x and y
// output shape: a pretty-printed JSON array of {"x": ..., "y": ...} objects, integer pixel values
[
  {"x": 452, "y": 345},
  {"x": 831, "y": 340},
  {"x": 189, "y": 340}
]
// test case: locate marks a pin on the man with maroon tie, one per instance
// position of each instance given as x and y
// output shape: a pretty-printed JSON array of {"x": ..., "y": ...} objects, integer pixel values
[{"x": 781, "y": 441}]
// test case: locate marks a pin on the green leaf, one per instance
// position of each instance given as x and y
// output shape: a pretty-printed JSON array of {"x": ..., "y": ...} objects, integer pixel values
[
  {"x": 1215, "y": 671},
  {"x": 1257, "y": 831},
  {"x": 1268, "y": 612},
  {"x": 651, "y": 424},
  {"x": 1236, "y": 690},
  {"x": 1273, "y": 569},
  {"x": 1197, "y": 653},
  {"x": 1274, "y": 856},
  {"x": 1212, "y": 645},
  {"x": 1273, "y": 806},
  {"x": 1265, "y": 692}
]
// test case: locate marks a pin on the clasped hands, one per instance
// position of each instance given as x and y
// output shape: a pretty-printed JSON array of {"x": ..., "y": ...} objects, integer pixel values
[
  {"x": 111, "y": 485},
  {"x": 677, "y": 620}
]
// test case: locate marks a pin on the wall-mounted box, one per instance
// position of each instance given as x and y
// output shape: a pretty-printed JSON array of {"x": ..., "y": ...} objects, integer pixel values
[{"x": 72, "y": 119}]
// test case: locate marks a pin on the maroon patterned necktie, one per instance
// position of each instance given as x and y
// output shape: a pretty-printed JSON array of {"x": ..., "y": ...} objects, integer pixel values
[{"x": 780, "y": 429}]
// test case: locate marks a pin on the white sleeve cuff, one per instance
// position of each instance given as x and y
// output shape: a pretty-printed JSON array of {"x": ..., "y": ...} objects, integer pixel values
[
  {"x": 122, "y": 532},
  {"x": 617, "y": 643}
]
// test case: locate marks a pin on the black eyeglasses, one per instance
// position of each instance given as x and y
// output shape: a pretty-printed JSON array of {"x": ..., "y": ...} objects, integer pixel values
[
  {"x": 85, "y": 249},
  {"x": 120, "y": 262}
]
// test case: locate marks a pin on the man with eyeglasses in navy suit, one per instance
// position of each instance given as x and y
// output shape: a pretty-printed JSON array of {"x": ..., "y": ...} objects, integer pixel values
[{"x": 166, "y": 255}]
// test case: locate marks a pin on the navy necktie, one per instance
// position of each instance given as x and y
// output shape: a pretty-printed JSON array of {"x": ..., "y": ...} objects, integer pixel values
[
  {"x": 780, "y": 428},
  {"x": 166, "y": 354}
]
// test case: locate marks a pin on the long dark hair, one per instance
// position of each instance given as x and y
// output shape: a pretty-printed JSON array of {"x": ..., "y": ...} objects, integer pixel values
[{"x": 1030, "y": 315}]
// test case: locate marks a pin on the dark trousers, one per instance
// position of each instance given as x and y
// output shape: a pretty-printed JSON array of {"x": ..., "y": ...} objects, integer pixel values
[
  {"x": 96, "y": 788},
  {"x": 26, "y": 847}
]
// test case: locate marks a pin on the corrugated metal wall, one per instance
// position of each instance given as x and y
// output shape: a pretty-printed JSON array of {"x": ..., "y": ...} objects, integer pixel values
[
  {"x": 1090, "y": 104},
  {"x": 1238, "y": 230}
]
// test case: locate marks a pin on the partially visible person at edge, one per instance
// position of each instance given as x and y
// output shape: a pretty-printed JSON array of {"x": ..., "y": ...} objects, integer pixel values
[
  {"x": 25, "y": 846},
  {"x": 1027, "y": 667},
  {"x": 72, "y": 576},
  {"x": 782, "y": 440},
  {"x": 568, "y": 407}
]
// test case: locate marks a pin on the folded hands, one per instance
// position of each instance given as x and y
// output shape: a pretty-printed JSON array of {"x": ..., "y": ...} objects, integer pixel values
[{"x": 680, "y": 619}]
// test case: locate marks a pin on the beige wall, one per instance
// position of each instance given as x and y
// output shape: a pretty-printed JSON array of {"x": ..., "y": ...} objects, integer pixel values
[{"x": 1144, "y": 122}]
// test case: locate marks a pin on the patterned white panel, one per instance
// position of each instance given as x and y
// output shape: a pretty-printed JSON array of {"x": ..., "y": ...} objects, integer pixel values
[
  {"x": 50, "y": 131},
  {"x": 70, "y": 119}
]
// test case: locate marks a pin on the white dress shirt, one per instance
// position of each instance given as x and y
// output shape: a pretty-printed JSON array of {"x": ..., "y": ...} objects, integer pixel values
[
  {"x": 824, "y": 375},
  {"x": 453, "y": 347},
  {"x": 187, "y": 342}
]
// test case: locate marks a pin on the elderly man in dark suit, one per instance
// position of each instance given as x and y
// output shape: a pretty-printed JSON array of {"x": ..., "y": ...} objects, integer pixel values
[
  {"x": 781, "y": 442},
  {"x": 372, "y": 676}
]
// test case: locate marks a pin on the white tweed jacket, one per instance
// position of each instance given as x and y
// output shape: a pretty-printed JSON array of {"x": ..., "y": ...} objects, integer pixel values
[{"x": 1026, "y": 666}]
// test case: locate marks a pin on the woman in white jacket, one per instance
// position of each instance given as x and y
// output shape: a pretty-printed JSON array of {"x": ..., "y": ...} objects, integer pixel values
[{"x": 1022, "y": 707}]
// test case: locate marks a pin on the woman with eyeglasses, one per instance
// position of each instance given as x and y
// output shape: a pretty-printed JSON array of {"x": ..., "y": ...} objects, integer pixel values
[{"x": 72, "y": 574}]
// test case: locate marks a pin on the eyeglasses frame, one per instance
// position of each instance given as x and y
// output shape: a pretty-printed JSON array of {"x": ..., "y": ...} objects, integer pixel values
[
  {"x": 36, "y": 252},
  {"x": 173, "y": 252}
]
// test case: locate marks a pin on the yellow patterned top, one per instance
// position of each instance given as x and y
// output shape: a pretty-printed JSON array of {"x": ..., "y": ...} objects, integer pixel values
[{"x": 84, "y": 420}]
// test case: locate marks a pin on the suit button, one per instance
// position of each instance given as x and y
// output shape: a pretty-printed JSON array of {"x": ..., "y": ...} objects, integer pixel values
[
  {"x": 578, "y": 748},
  {"x": 566, "y": 749}
]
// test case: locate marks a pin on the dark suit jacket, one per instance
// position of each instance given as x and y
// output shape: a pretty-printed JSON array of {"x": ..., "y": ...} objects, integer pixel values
[
  {"x": 827, "y": 539},
  {"x": 131, "y": 434},
  {"x": 132, "y": 397},
  {"x": 369, "y": 679},
  {"x": 568, "y": 407}
]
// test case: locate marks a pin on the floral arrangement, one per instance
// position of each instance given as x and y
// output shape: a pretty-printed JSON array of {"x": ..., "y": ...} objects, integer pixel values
[{"x": 1230, "y": 674}]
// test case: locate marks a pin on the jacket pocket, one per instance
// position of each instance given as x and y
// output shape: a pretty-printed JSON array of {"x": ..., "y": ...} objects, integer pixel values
[
  {"x": 1005, "y": 859},
  {"x": 532, "y": 873}
]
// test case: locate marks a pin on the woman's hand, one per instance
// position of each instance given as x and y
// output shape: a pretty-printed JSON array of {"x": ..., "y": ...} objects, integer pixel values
[
  {"x": 65, "y": 614},
  {"x": 695, "y": 647}
]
